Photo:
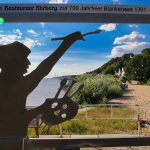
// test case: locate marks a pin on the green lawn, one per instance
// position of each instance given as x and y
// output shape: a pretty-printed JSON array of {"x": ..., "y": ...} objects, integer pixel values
[{"x": 105, "y": 126}]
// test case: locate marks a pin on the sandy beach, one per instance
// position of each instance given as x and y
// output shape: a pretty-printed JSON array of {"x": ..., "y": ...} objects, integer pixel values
[{"x": 138, "y": 95}]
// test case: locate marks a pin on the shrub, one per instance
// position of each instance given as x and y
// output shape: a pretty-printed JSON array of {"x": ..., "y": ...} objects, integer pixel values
[
  {"x": 114, "y": 91},
  {"x": 81, "y": 78},
  {"x": 148, "y": 82},
  {"x": 98, "y": 88},
  {"x": 123, "y": 79}
]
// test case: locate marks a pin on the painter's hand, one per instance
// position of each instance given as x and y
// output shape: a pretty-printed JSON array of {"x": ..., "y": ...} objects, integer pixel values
[{"x": 74, "y": 36}]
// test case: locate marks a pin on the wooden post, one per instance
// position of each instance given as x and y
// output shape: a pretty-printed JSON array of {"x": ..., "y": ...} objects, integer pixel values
[
  {"x": 60, "y": 131},
  {"x": 86, "y": 117},
  {"x": 111, "y": 112},
  {"x": 138, "y": 113},
  {"x": 37, "y": 127}
]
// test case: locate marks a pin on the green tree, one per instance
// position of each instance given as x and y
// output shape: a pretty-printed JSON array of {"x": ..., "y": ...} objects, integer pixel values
[
  {"x": 110, "y": 70},
  {"x": 138, "y": 68},
  {"x": 146, "y": 51},
  {"x": 114, "y": 64}
]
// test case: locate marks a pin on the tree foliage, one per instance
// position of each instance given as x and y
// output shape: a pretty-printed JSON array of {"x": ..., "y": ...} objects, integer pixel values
[
  {"x": 114, "y": 64},
  {"x": 138, "y": 68},
  {"x": 146, "y": 51}
]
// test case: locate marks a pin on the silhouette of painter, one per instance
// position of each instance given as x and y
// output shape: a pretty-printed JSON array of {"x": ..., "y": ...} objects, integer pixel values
[{"x": 15, "y": 87}]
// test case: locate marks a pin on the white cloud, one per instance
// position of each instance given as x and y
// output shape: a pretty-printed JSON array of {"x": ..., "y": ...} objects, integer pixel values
[
  {"x": 58, "y": 1},
  {"x": 18, "y": 31},
  {"x": 133, "y": 26},
  {"x": 108, "y": 27},
  {"x": 52, "y": 34},
  {"x": 128, "y": 39},
  {"x": 6, "y": 39},
  {"x": 132, "y": 43},
  {"x": 30, "y": 43},
  {"x": 129, "y": 48},
  {"x": 16, "y": 35},
  {"x": 42, "y": 24},
  {"x": 49, "y": 34},
  {"x": 32, "y": 32}
]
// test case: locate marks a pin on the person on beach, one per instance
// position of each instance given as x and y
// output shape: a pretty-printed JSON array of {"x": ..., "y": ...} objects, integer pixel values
[{"x": 15, "y": 86}]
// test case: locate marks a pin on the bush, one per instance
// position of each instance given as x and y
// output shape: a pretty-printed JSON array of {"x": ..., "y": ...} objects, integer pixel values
[
  {"x": 81, "y": 78},
  {"x": 148, "y": 82},
  {"x": 98, "y": 88},
  {"x": 123, "y": 79},
  {"x": 114, "y": 91}
]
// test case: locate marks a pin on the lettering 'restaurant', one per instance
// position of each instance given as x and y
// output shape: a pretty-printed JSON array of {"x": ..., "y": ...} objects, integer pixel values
[{"x": 18, "y": 8}]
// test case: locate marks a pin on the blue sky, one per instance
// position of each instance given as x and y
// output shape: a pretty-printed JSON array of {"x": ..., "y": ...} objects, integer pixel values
[{"x": 113, "y": 41}]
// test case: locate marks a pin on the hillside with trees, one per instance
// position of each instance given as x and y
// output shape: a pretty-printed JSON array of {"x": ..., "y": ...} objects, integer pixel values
[
  {"x": 104, "y": 83},
  {"x": 114, "y": 64},
  {"x": 137, "y": 67}
]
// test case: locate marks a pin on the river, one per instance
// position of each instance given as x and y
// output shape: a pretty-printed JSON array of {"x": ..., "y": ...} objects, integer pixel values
[{"x": 47, "y": 88}]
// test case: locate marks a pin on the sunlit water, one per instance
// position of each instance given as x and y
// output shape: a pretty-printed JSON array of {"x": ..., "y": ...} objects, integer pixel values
[{"x": 47, "y": 88}]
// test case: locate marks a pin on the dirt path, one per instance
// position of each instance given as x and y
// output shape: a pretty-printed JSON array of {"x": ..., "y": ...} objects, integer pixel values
[{"x": 137, "y": 95}]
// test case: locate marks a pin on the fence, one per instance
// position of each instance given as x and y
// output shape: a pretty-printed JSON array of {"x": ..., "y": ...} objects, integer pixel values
[
  {"x": 136, "y": 140},
  {"x": 139, "y": 115}
]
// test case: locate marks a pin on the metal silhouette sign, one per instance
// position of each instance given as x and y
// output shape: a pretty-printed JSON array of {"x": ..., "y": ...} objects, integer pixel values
[
  {"x": 75, "y": 13},
  {"x": 15, "y": 87}
]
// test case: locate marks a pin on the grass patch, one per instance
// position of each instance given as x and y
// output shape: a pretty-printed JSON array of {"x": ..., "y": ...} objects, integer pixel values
[
  {"x": 107, "y": 112},
  {"x": 105, "y": 126}
]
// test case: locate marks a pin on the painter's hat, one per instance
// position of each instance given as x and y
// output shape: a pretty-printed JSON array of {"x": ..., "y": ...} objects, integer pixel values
[{"x": 15, "y": 49}]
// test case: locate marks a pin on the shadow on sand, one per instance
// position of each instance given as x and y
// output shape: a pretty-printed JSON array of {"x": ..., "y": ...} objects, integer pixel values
[{"x": 125, "y": 97}]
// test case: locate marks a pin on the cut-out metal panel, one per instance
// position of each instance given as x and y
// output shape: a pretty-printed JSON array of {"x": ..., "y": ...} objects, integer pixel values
[{"x": 74, "y": 13}]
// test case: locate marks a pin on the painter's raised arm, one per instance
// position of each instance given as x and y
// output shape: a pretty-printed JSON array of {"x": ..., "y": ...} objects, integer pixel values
[{"x": 32, "y": 80}]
